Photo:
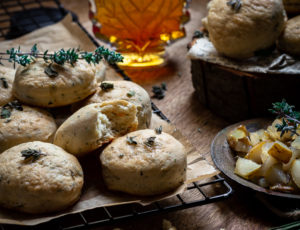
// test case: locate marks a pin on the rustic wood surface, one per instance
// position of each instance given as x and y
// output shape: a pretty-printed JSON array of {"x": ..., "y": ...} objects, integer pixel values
[{"x": 242, "y": 210}]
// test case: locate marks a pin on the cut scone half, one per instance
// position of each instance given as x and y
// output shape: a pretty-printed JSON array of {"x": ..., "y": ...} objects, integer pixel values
[
  {"x": 144, "y": 163},
  {"x": 122, "y": 90},
  {"x": 96, "y": 124}
]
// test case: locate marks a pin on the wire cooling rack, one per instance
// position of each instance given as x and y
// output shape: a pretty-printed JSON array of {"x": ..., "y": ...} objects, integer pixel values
[{"x": 18, "y": 17}]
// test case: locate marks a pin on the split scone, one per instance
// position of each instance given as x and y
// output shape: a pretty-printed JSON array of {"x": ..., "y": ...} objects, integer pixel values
[
  {"x": 144, "y": 163},
  {"x": 20, "y": 123},
  {"x": 38, "y": 177},
  {"x": 238, "y": 28},
  {"x": 96, "y": 124},
  {"x": 7, "y": 76},
  {"x": 100, "y": 70},
  {"x": 289, "y": 40},
  {"x": 123, "y": 90},
  {"x": 52, "y": 85}
]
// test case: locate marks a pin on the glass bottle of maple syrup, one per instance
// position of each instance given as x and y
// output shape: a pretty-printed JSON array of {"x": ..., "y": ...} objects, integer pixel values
[{"x": 139, "y": 29}]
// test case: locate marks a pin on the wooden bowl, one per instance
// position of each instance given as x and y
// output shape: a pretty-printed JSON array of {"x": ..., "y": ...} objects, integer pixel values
[{"x": 224, "y": 157}]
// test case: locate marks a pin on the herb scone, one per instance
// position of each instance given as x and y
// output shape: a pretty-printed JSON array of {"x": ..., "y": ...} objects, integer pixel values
[
  {"x": 96, "y": 124},
  {"x": 144, "y": 163},
  {"x": 239, "y": 28},
  {"x": 7, "y": 76},
  {"x": 52, "y": 85},
  {"x": 289, "y": 41},
  {"x": 38, "y": 177},
  {"x": 123, "y": 90},
  {"x": 20, "y": 123}
]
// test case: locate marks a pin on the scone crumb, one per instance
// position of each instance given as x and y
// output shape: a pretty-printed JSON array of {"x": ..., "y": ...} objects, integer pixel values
[{"x": 167, "y": 225}]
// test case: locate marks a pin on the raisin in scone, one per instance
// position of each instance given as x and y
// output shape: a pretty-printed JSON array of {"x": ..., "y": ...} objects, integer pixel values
[
  {"x": 289, "y": 40},
  {"x": 51, "y": 85},
  {"x": 20, "y": 123},
  {"x": 238, "y": 28},
  {"x": 38, "y": 177},
  {"x": 123, "y": 90},
  {"x": 7, "y": 76},
  {"x": 144, "y": 163},
  {"x": 96, "y": 124}
]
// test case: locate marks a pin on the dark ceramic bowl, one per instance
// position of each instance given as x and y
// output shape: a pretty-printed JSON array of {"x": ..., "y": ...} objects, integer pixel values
[{"x": 224, "y": 157}]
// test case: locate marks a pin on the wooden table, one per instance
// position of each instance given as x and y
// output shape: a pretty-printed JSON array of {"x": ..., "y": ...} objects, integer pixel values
[{"x": 180, "y": 105}]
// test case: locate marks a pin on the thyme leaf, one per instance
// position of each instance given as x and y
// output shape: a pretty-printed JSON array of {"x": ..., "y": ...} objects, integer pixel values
[
  {"x": 150, "y": 141},
  {"x": 5, "y": 113},
  {"x": 49, "y": 70},
  {"x": 106, "y": 86},
  {"x": 159, "y": 91},
  {"x": 131, "y": 93},
  {"x": 131, "y": 141},
  {"x": 7, "y": 108},
  {"x": 290, "y": 118},
  {"x": 198, "y": 34},
  {"x": 4, "y": 82},
  {"x": 235, "y": 5},
  {"x": 158, "y": 130},
  {"x": 32, "y": 154}
]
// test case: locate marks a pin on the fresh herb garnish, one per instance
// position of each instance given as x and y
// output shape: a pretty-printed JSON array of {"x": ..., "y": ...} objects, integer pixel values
[
  {"x": 5, "y": 113},
  {"x": 4, "y": 82},
  {"x": 106, "y": 86},
  {"x": 158, "y": 130},
  {"x": 150, "y": 141},
  {"x": 131, "y": 93},
  {"x": 290, "y": 118},
  {"x": 32, "y": 154},
  {"x": 159, "y": 91},
  {"x": 235, "y": 5},
  {"x": 62, "y": 56},
  {"x": 7, "y": 108},
  {"x": 198, "y": 34},
  {"x": 50, "y": 71},
  {"x": 130, "y": 140}
]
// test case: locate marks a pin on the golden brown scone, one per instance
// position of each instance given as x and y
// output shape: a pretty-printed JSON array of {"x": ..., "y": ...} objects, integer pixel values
[
  {"x": 38, "y": 177},
  {"x": 144, "y": 163},
  {"x": 238, "y": 31},
  {"x": 24, "y": 124},
  {"x": 123, "y": 90},
  {"x": 289, "y": 41},
  {"x": 96, "y": 124},
  {"x": 100, "y": 72},
  {"x": 33, "y": 86},
  {"x": 7, "y": 76}
]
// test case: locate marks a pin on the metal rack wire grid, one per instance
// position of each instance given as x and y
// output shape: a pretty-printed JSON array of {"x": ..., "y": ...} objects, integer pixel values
[{"x": 18, "y": 17}]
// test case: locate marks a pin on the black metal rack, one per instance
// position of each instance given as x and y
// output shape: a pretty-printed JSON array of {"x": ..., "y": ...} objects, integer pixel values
[{"x": 18, "y": 17}]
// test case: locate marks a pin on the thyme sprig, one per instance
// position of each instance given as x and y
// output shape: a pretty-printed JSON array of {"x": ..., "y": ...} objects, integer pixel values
[
  {"x": 32, "y": 154},
  {"x": 61, "y": 56},
  {"x": 290, "y": 118}
]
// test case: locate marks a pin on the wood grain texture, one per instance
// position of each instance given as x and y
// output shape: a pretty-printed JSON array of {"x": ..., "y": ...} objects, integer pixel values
[{"x": 181, "y": 106}]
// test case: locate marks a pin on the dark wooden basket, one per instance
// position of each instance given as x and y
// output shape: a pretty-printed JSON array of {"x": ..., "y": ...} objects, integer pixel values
[{"x": 236, "y": 95}]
